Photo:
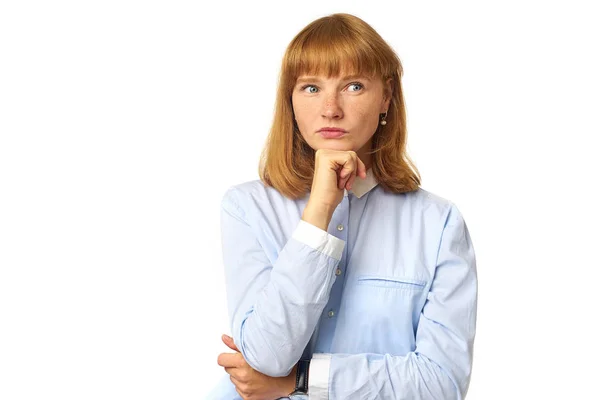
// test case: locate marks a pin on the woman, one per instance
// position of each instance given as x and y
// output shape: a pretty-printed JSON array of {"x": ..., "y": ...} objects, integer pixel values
[{"x": 345, "y": 279}]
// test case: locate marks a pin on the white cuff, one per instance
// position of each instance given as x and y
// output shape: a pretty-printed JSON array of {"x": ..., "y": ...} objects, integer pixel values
[
  {"x": 319, "y": 240},
  {"x": 318, "y": 377}
]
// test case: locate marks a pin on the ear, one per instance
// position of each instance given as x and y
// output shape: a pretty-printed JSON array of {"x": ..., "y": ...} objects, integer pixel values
[{"x": 388, "y": 90}]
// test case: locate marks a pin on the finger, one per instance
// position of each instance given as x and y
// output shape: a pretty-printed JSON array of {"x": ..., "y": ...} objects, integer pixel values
[
  {"x": 341, "y": 180},
  {"x": 344, "y": 182},
  {"x": 355, "y": 172},
  {"x": 239, "y": 387},
  {"x": 348, "y": 171},
  {"x": 349, "y": 165},
  {"x": 362, "y": 169},
  {"x": 341, "y": 183},
  {"x": 228, "y": 340},
  {"x": 243, "y": 394},
  {"x": 350, "y": 182},
  {"x": 235, "y": 381},
  {"x": 242, "y": 374},
  {"x": 230, "y": 360},
  {"x": 233, "y": 372}
]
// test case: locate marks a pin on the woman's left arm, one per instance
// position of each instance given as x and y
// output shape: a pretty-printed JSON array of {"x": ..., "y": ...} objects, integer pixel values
[{"x": 440, "y": 365}]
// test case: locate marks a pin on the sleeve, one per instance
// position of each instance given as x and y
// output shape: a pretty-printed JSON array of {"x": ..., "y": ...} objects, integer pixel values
[
  {"x": 274, "y": 309},
  {"x": 440, "y": 366}
]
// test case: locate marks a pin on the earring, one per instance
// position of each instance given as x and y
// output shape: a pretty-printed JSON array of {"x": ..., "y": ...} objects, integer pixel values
[{"x": 382, "y": 116}]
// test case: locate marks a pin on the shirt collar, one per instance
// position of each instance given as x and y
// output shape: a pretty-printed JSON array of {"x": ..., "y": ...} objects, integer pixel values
[{"x": 362, "y": 186}]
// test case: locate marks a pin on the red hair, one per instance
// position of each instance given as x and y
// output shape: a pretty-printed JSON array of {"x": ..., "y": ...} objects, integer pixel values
[{"x": 329, "y": 46}]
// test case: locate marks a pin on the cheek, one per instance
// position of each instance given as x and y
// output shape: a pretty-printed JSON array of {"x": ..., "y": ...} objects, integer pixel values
[
  {"x": 366, "y": 115},
  {"x": 302, "y": 113}
]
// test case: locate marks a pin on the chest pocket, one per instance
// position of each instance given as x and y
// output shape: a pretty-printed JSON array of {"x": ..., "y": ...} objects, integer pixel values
[
  {"x": 382, "y": 312},
  {"x": 391, "y": 282}
]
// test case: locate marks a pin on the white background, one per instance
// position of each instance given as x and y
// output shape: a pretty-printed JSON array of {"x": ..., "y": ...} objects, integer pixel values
[{"x": 123, "y": 122}]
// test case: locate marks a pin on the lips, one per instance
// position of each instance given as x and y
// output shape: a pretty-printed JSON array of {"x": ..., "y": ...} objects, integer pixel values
[{"x": 332, "y": 133}]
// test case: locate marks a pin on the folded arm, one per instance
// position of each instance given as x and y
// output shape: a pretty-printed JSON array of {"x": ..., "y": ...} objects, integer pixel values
[{"x": 275, "y": 307}]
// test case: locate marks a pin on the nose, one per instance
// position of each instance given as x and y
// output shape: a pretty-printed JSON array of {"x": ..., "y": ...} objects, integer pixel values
[{"x": 332, "y": 108}]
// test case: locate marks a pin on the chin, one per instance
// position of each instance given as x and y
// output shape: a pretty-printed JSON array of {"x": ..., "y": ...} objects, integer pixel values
[{"x": 334, "y": 144}]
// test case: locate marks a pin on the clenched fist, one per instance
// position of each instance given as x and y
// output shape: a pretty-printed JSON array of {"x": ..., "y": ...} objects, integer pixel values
[{"x": 335, "y": 170}]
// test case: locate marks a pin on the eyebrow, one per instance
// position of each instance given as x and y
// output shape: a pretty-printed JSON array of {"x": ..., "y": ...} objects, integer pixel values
[{"x": 317, "y": 79}]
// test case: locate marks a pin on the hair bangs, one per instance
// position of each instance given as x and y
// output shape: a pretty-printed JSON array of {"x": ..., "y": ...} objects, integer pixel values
[{"x": 332, "y": 48}]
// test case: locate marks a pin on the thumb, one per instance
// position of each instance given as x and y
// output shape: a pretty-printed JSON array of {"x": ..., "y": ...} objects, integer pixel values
[{"x": 228, "y": 340}]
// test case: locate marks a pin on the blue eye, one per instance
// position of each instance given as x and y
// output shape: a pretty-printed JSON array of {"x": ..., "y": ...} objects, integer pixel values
[
  {"x": 311, "y": 89},
  {"x": 356, "y": 85}
]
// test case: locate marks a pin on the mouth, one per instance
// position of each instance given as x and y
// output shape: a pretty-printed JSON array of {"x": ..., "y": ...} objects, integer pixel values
[{"x": 332, "y": 133}]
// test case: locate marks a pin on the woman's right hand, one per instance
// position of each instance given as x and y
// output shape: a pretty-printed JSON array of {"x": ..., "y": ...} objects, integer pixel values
[{"x": 335, "y": 170}]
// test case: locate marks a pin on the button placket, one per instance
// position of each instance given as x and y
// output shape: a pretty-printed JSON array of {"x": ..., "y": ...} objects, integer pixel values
[
  {"x": 337, "y": 228},
  {"x": 343, "y": 215}
]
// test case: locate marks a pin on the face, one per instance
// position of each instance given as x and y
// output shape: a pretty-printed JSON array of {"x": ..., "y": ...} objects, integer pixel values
[{"x": 340, "y": 113}]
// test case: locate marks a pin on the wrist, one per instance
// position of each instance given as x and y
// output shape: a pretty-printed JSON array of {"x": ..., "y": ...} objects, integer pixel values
[
  {"x": 289, "y": 384},
  {"x": 319, "y": 216}
]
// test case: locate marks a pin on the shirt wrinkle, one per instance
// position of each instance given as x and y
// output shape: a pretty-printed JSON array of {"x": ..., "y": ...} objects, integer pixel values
[{"x": 370, "y": 338}]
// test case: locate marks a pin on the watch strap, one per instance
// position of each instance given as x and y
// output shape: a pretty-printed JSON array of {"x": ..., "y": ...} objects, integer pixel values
[{"x": 302, "y": 377}]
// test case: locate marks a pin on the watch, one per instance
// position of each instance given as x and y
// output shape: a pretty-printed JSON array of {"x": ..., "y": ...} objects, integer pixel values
[{"x": 301, "y": 377}]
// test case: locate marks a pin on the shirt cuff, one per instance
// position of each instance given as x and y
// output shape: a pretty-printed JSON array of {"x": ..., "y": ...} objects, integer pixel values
[
  {"x": 297, "y": 397},
  {"x": 318, "y": 377},
  {"x": 319, "y": 240}
]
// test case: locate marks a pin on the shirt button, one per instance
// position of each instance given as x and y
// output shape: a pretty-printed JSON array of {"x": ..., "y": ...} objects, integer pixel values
[
  {"x": 340, "y": 227},
  {"x": 338, "y": 272},
  {"x": 331, "y": 313}
]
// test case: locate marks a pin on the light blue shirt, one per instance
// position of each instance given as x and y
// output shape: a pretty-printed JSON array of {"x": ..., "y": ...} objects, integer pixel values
[{"x": 390, "y": 292}]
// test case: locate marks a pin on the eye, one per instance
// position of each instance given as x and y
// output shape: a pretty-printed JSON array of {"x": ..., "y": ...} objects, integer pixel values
[
  {"x": 310, "y": 89},
  {"x": 355, "y": 87}
]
